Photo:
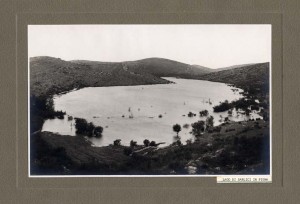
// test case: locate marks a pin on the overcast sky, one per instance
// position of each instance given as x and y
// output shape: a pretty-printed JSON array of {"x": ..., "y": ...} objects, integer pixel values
[{"x": 212, "y": 46}]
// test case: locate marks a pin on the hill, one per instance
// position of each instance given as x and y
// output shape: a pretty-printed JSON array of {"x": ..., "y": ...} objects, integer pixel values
[
  {"x": 232, "y": 67},
  {"x": 249, "y": 77},
  {"x": 166, "y": 68},
  {"x": 50, "y": 75},
  {"x": 205, "y": 70}
]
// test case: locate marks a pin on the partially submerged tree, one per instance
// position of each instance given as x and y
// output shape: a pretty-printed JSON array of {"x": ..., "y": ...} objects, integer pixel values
[
  {"x": 176, "y": 128},
  {"x": 224, "y": 106},
  {"x": 203, "y": 113},
  {"x": 85, "y": 128},
  {"x": 190, "y": 114}
]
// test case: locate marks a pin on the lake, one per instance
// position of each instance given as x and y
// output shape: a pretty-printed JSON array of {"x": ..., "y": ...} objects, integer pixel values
[{"x": 132, "y": 112}]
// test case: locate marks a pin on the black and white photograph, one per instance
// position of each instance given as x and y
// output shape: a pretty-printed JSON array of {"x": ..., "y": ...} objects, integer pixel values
[{"x": 149, "y": 100}]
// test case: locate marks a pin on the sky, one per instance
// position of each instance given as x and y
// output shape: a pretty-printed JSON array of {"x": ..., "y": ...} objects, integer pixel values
[{"x": 212, "y": 46}]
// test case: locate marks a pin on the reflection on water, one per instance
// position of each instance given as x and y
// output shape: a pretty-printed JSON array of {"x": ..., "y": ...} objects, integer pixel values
[{"x": 144, "y": 112}]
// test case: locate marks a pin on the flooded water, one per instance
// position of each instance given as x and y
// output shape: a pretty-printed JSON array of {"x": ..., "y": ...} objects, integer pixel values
[{"x": 143, "y": 112}]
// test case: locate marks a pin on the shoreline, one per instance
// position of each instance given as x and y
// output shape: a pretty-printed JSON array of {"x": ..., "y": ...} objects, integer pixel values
[{"x": 118, "y": 154}]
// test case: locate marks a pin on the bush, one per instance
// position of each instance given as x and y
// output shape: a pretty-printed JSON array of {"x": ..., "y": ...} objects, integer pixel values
[
  {"x": 189, "y": 141},
  {"x": 133, "y": 144},
  {"x": 117, "y": 142},
  {"x": 178, "y": 142},
  {"x": 152, "y": 143}
]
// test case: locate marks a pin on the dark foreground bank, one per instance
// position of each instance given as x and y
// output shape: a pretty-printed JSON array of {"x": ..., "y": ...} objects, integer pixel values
[{"x": 238, "y": 148}]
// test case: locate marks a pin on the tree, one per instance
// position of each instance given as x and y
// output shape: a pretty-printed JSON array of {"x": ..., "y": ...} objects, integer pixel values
[
  {"x": 146, "y": 142},
  {"x": 198, "y": 127},
  {"x": 176, "y": 128}
]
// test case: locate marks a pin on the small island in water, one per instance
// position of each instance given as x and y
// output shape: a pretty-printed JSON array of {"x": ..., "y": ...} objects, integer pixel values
[{"x": 148, "y": 117}]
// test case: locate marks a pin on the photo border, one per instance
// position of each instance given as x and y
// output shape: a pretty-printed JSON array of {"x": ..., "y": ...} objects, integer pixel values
[
  {"x": 164, "y": 18},
  {"x": 284, "y": 190},
  {"x": 217, "y": 176}
]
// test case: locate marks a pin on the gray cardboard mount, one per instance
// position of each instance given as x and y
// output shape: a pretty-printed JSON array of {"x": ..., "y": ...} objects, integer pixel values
[{"x": 16, "y": 187}]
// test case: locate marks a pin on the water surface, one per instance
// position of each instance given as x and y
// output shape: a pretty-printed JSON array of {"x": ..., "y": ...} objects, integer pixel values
[{"x": 132, "y": 112}]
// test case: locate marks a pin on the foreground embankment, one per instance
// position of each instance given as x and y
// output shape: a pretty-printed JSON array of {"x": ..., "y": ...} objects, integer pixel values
[{"x": 236, "y": 147}]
